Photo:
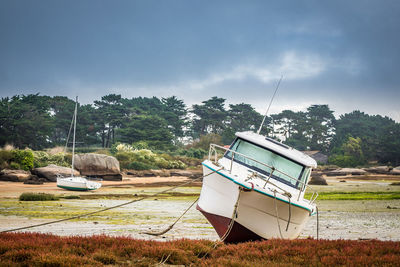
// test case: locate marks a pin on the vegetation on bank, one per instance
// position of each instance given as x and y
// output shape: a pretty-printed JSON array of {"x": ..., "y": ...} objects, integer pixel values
[
  {"x": 145, "y": 159},
  {"x": 27, "y": 159},
  {"x": 128, "y": 156},
  {"x": 33, "y": 249}
]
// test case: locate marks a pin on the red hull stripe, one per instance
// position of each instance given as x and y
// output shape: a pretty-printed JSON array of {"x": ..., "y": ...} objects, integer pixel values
[{"x": 239, "y": 233}]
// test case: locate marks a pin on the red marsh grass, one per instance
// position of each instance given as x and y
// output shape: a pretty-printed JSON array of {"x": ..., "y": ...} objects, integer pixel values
[{"x": 33, "y": 249}]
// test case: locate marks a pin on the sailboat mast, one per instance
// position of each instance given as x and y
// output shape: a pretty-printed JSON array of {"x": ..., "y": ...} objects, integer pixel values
[{"x": 73, "y": 139}]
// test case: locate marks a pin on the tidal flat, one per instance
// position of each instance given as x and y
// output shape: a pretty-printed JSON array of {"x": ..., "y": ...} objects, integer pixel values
[{"x": 358, "y": 210}]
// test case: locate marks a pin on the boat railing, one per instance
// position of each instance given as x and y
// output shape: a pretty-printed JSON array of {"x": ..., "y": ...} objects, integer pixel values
[{"x": 213, "y": 156}]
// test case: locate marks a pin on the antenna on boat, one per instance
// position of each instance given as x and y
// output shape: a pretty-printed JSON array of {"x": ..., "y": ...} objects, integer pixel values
[{"x": 272, "y": 99}]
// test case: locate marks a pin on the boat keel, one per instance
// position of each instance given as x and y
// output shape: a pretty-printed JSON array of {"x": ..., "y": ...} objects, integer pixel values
[{"x": 238, "y": 233}]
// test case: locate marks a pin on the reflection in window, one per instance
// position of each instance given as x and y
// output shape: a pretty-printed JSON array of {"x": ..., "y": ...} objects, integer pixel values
[{"x": 269, "y": 158}]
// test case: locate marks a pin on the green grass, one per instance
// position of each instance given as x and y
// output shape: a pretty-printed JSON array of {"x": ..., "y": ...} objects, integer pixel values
[
  {"x": 357, "y": 195},
  {"x": 37, "y": 197}
]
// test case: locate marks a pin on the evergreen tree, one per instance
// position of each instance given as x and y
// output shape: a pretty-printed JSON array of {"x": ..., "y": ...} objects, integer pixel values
[
  {"x": 176, "y": 115},
  {"x": 210, "y": 117},
  {"x": 25, "y": 121},
  {"x": 111, "y": 114},
  {"x": 148, "y": 128}
]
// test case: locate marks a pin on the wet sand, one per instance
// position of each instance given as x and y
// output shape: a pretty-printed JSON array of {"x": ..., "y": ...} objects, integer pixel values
[{"x": 339, "y": 219}]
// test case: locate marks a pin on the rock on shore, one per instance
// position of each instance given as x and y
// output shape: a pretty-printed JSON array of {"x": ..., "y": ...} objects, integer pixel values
[
  {"x": 346, "y": 171},
  {"x": 50, "y": 172},
  {"x": 378, "y": 170},
  {"x": 98, "y": 165},
  {"x": 317, "y": 179},
  {"x": 395, "y": 171},
  {"x": 14, "y": 175}
]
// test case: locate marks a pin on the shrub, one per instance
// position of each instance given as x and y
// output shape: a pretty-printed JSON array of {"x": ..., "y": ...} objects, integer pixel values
[
  {"x": 60, "y": 159},
  {"x": 176, "y": 164},
  {"x": 15, "y": 166},
  {"x": 140, "y": 145},
  {"x": 192, "y": 152},
  {"x": 123, "y": 156},
  {"x": 120, "y": 147},
  {"x": 344, "y": 161},
  {"x": 191, "y": 162},
  {"x": 5, "y": 158},
  {"x": 37, "y": 197},
  {"x": 205, "y": 140},
  {"x": 27, "y": 159},
  {"x": 42, "y": 159},
  {"x": 5, "y": 155},
  {"x": 55, "y": 150},
  {"x": 24, "y": 158},
  {"x": 137, "y": 165},
  {"x": 145, "y": 159}
]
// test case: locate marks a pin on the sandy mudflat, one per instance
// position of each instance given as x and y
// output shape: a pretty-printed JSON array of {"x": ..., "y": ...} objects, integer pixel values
[
  {"x": 13, "y": 189},
  {"x": 339, "y": 219}
]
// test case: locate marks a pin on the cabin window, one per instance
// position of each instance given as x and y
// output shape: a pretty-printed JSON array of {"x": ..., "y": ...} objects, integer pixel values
[
  {"x": 306, "y": 174},
  {"x": 263, "y": 155}
]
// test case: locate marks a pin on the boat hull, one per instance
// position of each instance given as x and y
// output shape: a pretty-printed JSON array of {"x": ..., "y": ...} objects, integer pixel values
[{"x": 256, "y": 216}]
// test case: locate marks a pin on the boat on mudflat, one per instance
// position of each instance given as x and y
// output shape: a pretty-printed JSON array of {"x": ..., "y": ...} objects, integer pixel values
[
  {"x": 76, "y": 183},
  {"x": 255, "y": 189}
]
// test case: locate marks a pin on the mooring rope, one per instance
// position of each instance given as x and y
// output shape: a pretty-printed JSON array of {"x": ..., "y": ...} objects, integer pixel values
[
  {"x": 277, "y": 215},
  {"x": 227, "y": 232},
  {"x": 109, "y": 208},
  {"x": 172, "y": 225},
  {"x": 290, "y": 210},
  {"x": 232, "y": 221},
  {"x": 317, "y": 222}
]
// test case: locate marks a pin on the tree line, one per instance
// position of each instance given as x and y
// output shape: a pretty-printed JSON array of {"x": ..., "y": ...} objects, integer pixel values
[{"x": 39, "y": 122}]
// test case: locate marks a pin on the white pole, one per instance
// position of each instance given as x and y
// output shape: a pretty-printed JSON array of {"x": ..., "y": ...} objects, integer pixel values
[
  {"x": 276, "y": 89},
  {"x": 73, "y": 140}
]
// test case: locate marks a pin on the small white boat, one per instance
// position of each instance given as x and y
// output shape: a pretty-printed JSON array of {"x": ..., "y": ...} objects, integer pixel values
[
  {"x": 76, "y": 183},
  {"x": 256, "y": 189}
]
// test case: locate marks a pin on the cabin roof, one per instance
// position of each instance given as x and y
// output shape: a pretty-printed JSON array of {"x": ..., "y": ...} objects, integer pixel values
[{"x": 278, "y": 147}]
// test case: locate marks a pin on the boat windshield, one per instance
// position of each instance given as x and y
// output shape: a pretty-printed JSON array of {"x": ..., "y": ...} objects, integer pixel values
[{"x": 268, "y": 157}]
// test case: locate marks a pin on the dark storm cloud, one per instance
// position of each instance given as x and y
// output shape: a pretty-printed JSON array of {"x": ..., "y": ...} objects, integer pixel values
[{"x": 331, "y": 51}]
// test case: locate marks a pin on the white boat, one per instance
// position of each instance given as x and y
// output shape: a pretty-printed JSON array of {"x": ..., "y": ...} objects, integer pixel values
[
  {"x": 256, "y": 189},
  {"x": 76, "y": 183}
]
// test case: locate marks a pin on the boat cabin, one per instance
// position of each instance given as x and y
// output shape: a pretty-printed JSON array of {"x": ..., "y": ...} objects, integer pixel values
[{"x": 271, "y": 158}]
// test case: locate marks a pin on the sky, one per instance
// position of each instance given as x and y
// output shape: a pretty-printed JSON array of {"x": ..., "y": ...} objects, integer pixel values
[{"x": 342, "y": 53}]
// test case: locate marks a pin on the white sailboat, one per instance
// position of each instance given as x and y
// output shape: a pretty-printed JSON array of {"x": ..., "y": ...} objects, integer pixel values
[
  {"x": 256, "y": 189},
  {"x": 76, "y": 183}
]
